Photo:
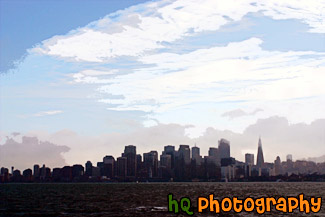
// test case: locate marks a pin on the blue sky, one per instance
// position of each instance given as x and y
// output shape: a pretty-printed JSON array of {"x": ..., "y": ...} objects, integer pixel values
[{"x": 107, "y": 67}]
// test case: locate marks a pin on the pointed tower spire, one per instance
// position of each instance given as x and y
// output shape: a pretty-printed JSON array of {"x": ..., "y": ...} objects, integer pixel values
[
  {"x": 260, "y": 157},
  {"x": 259, "y": 142}
]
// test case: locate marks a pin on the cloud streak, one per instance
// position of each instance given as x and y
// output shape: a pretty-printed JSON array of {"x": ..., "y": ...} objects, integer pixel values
[
  {"x": 145, "y": 27},
  {"x": 47, "y": 113},
  {"x": 239, "y": 113}
]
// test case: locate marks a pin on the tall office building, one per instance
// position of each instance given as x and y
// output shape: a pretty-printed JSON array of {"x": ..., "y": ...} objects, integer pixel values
[
  {"x": 89, "y": 168},
  {"x": 150, "y": 161},
  {"x": 214, "y": 154},
  {"x": 36, "y": 171},
  {"x": 289, "y": 157},
  {"x": 131, "y": 155},
  {"x": 108, "y": 166},
  {"x": 165, "y": 161},
  {"x": 184, "y": 153},
  {"x": 260, "y": 157},
  {"x": 170, "y": 150},
  {"x": 224, "y": 148},
  {"x": 121, "y": 166},
  {"x": 196, "y": 155},
  {"x": 277, "y": 166},
  {"x": 249, "y": 159}
]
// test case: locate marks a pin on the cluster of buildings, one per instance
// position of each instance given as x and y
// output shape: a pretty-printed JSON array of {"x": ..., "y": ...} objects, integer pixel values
[{"x": 184, "y": 164}]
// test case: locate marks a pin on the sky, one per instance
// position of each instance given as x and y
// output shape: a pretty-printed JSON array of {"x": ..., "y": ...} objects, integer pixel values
[{"x": 86, "y": 78}]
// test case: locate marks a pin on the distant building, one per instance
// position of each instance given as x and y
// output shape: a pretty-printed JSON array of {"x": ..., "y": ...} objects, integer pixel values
[
  {"x": 249, "y": 159},
  {"x": 184, "y": 153},
  {"x": 170, "y": 150},
  {"x": 165, "y": 160},
  {"x": 260, "y": 157},
  {"x": 150, "y": 161},
  {"x": 89, "y": 168},
  {"x": 96, "y": 172},
  {"x": 289, "y": 157},
  {"x": 224, "y": 148},
  {"x": 196, "y": 155},
  {"x": 36, "y": 171},
  {"x": 277, "y": 166},
  {"x": 183, "y": 163},
  {"x": 108, "y": 166},
  {"x": 77, "y": 171},
  {"x": 121, "y": 166},
  {"x": 214, "y": 154},
  {"x": 131, "y": 155},
  {"x": 228, "y": 161},
  {"x": 45, "y": 173},
  {"x": 28, "y": 174}
]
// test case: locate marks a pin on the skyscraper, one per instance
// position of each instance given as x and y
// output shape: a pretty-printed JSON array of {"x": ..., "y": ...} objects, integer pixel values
[
  {"x": 249, "y": 159},
  {"x": 170, "y": 150},
  {"x": 224, "y": 149},
  {"x": 196, "y": 155},
  {"x": 165, "y": 160},
  {"x": 36, "y": 171},
  {"x": 277, "y": 166},
  {"x": 184, "y": 153},
  {"x": 214, "y": 154},
  {"x": 131, "y": 155},
  {"x": 89, "y": 168},
  {"x": 121, "y": 166},
  {"x": 289, "y": 157},
  {"x": 260, "y": 157},
  {"x": 108, "y": 166},
  {"x": 150, "y": 160}
]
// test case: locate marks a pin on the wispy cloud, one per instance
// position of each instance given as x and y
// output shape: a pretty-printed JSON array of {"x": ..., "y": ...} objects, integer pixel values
[
  {"x": 238, "y": 71},
  {"x": 149, "y": 26},
  {"x": 170, "y": 59},
  {"x": 239, "y": 113},
  {"x": 47, "y": 113}
]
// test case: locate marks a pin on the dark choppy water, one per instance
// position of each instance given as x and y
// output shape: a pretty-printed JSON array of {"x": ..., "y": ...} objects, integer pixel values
[{"x": 135, "y": 199}]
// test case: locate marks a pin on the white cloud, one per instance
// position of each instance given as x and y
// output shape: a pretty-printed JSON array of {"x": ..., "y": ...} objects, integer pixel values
[
  {"x": 30, "y": 151},
  {"x": 238, "y": 71},
  {"x": 309, "y": 12},
  {"x": 239, "y": 113},
  {"x": 47, "y": 113},
  {"x": 146, "y": 27}
]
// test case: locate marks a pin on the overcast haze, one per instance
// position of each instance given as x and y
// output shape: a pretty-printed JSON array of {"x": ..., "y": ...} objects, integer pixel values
[{"x": 155, "y": 73}]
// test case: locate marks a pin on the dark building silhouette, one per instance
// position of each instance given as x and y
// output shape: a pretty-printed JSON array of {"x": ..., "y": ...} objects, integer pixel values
[
  {"x": 45, "y": 173},
  {"x": 28, "y": 175},
  {"x": 249, "y": 159},
  {"x": 224, "y": 148},
  {"x": 260, "y": 157},
  {"x": 150, "y": 161},
  {"x": 196, "y": 155},
  {"x": 66, "y": 174},
  {"x": 183, "y": 163},
  {"x": 56, "y": 174},
  {"x": 108, "y": 166},
  {"x": 170, "y": 150},
  {"x": 121, "y": 167},
  {"x": 36, "y": 171},
  {"x": 131, "y": 155},
  {"x": 89, "y": 168},
  {"x": 131, "y": 167},
  {"x": 77, "y": 171},
  {"x": 214, "y": 154}
]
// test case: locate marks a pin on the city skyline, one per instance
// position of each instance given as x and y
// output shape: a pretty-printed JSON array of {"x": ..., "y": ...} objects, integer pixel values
[
  {"x": 87, "y": 78},
  {"x": 52, "y": 154},
  {"x": 184, "y": 164}
]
